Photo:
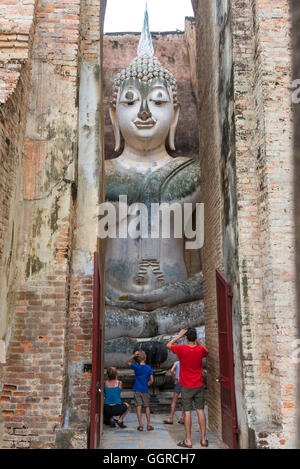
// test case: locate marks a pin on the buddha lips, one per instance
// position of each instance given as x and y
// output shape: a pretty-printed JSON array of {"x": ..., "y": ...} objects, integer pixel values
[{"x": 164, "y": 220}]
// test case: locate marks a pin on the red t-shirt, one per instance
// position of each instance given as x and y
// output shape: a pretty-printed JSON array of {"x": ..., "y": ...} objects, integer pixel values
[{"x": 191, "y": 368}]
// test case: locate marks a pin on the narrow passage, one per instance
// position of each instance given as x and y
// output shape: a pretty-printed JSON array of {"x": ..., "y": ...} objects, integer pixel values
[{"x": 163, "y": 437}]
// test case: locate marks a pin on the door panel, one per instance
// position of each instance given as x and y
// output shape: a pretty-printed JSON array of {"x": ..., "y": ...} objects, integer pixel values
[
  {"x": 95, "y": 393},
  {"x": 226, "y": 378}
]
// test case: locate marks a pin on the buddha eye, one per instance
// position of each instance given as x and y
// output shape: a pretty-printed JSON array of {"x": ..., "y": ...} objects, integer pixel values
[
  {"x": 129, "y": 95},
  {"x": 159, "y": 98},
  {"x": 129, "y": 98},
  {"x": 159, "y": 102}
]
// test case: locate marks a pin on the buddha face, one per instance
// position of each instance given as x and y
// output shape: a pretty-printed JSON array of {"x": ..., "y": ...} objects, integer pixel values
[{"x": 145, "y": 113}]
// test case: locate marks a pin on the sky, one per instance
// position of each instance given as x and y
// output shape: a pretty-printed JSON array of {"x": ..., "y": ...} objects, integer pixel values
[{"x": 164, "y": 15}]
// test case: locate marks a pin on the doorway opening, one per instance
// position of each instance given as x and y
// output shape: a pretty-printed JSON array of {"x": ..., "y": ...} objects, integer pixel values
[{"x": 197, "y": 137}]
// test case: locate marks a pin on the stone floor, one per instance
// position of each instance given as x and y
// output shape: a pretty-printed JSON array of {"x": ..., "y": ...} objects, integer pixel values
[{"x": 163, "y": 437}]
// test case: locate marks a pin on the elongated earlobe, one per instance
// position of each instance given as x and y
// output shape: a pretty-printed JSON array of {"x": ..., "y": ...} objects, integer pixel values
[
  {"x": 173, "y": 127},
  {"x": 113, "y": 117}
]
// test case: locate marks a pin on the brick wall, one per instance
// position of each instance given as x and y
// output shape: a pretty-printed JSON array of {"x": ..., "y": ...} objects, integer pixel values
[
  {"x": 90, "y": 25},
  {"x": 56, "y": 39},
  {"x": 17, "y": 28},
  {"x": 13, "y": 116},
  {"x": 265, "y": 210},
  {"x": 16, "y": 38},
  {"x": 243, "y": 72},
  {"x": 248, "y": 114},
  {"x": 34, "y": 376},
  {"x": 32, "y": 391},
  {"x": 79, "y": 350},
  {"x": 79, "y": 340},
  {"x": 209, "y": 150}
]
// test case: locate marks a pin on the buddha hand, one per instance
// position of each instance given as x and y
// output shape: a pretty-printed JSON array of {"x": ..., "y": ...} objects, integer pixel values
[{"x": 168, "y": 295}]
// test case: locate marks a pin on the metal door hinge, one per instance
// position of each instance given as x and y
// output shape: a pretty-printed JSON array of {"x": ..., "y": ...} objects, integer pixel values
[{"x": 98, "y": 389}]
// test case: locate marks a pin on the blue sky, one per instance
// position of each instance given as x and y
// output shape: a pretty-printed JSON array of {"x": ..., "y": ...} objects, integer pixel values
[{"x": 164, "y": 15}]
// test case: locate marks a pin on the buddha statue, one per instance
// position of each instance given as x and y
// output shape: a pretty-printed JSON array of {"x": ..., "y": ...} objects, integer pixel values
[{"x": 148, "y": 292}]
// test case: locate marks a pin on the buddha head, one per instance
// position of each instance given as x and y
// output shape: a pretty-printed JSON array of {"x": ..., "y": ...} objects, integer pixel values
[{"x": 144, "y": 109}]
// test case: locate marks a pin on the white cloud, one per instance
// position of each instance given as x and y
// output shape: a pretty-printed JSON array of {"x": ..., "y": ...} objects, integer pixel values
[{"x": 164, "y": 15}]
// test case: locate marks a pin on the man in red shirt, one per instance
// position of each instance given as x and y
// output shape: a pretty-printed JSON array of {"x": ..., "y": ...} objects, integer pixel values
[{"x": 191, "y": 381}]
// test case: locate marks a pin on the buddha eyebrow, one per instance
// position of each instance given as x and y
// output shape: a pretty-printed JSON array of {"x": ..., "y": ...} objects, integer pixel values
[
  {"x": 160, "y": 89},
  {"x": 160, "y": 95}
]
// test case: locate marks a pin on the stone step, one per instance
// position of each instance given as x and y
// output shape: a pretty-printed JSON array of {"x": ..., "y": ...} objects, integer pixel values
[
  {"x": 162, "y": 399},
  {"x": 159, "y": 403},
  {"x": 166, "y": 395},
  {"x": 127, "y": 377}
]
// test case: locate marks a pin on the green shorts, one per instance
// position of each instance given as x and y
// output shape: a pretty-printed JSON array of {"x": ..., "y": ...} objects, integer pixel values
[{"x": 192, "y": 398}]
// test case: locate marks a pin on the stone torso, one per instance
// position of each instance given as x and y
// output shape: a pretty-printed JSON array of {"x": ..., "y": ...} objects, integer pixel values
[
  {"x": 178, "y": 179},
  {"x": 141, "y": 265}
]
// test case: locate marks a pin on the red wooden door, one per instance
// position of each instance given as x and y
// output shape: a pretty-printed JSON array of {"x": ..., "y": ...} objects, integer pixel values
[
  {"x": 95, "y": 393},
  {"x": 226, "y": 378}
]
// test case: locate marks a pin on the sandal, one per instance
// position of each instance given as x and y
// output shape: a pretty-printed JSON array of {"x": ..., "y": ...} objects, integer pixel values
[
  {"x": 167, "y": 422},
  {"x": 206, "y": 444},
  {"x": 181, "y": 422},
  {"x": 150, "y": 428},
  {"x": 183, "y": 444},
  {"x": 140, "y": 429},
  {"x": 121, "y": 424},
  {"x": 112, "y": 424}
]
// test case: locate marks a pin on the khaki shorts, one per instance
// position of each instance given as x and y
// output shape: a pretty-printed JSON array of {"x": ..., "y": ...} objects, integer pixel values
[
  {"x": 141, "y": 399},
  {"x": 192, "y": 398}
]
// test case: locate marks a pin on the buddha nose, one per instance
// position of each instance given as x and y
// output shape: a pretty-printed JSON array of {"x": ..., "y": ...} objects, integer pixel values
[{"x": 144, "y": 112}]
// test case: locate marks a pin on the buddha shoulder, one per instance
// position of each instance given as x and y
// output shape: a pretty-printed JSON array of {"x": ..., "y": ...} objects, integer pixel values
[
  {"x": 120, "y": 180},
  {"x": 177, "y": 179},
  {"x": 183, "y": 181}
]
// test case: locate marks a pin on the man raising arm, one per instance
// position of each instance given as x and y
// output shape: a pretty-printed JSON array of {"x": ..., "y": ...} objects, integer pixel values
[
  {"x": 173, "y": 341},
  {"x": 181, "y": 334},
  {"x": 191, "y": 381}
]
